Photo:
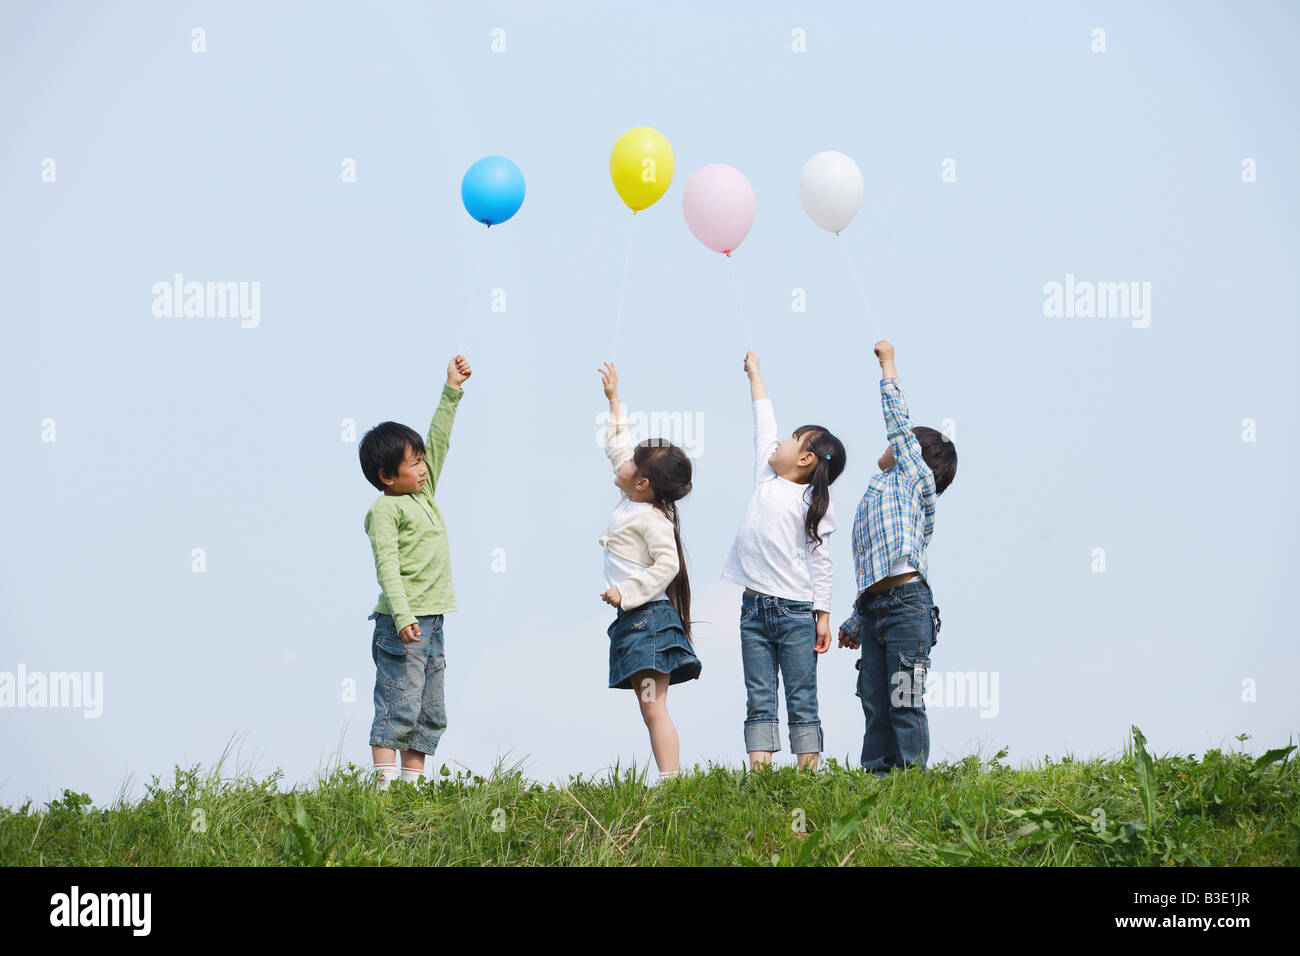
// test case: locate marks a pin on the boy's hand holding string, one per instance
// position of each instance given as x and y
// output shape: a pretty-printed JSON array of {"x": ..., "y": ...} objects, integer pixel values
[{"x": 457, "y": 371}]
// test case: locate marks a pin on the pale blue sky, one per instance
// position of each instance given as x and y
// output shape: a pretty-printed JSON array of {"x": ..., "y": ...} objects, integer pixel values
[{"x": 1073, "y": 434}]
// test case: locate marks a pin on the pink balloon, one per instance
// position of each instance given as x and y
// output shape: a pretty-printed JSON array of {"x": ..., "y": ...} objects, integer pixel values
[{"x": 719, "y": 206}]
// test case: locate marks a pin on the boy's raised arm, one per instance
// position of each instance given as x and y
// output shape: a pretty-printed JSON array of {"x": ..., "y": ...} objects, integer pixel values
[
  {"x": 439, "y": 437},
  {"x": 907, "y": 450}
]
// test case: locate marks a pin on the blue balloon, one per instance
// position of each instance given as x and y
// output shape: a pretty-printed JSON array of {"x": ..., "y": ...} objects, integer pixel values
[{"x": 492, "y": 190}]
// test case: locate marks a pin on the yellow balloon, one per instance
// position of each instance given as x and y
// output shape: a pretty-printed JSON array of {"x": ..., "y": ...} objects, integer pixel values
[{"x": 641, "y": 165}]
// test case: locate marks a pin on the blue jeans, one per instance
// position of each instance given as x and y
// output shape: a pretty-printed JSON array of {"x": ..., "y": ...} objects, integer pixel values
[
  {"x": 777, "y": 635},
  {"x": 897, "y": 633},
  {"x": 410, "y": 711}
]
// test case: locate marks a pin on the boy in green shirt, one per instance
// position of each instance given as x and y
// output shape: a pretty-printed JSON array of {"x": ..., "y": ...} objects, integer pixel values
[{"x": 413, "y": 565}]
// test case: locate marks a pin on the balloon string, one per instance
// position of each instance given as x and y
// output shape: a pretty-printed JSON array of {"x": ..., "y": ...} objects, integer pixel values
[
  {"x": 853, "y": 269},
  {"x": 739, "y": 305},
  {"x": 478, "y": 260},
  {"x": 618, "y": 315}
]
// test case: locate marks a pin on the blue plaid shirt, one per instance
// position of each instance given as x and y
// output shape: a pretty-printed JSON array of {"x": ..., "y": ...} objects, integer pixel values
[{"x": 896, "y": 515}]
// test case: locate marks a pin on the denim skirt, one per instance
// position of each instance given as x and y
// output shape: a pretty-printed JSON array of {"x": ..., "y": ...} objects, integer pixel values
[{"x": 650, "y": 637}]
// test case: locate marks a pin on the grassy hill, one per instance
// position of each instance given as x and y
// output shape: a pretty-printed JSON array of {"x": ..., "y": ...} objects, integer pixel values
[{"x": 1223, "y": 809}]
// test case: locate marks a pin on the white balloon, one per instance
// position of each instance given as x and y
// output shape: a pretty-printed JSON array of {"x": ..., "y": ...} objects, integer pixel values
[{"x": 830, "y": 190}]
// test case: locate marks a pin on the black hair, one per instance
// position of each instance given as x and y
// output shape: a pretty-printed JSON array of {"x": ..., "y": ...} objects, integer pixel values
[
  {"x": 384, "y": 448},
  {"x": 830, "y": 463},
  {"x": 668, "y": 470},
  {"x": 940, "y": 454}
]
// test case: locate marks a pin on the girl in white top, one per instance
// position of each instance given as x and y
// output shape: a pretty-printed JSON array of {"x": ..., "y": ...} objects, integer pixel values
[
  {"x": 645, "y": 575},
  {"x": 781, "y": 557}
]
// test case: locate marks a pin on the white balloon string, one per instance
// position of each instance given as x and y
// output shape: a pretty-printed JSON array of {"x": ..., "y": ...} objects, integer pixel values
[
  {"x": 854, "y": 269},
  {"x": 618, "y": 315},
  {"x": 739, "y": 305},
  {"x": 478, "y": 260}
]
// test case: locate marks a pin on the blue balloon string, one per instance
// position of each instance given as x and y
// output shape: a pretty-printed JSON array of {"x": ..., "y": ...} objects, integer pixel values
[{"x": 477, "y": 261}]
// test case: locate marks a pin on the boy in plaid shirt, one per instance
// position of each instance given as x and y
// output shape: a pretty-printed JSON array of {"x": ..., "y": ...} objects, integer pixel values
[{"x": 895, "y": 621}]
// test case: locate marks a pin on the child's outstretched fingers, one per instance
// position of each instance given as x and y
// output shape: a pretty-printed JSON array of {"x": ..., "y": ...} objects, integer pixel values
[{"x": 609, "y": 379}]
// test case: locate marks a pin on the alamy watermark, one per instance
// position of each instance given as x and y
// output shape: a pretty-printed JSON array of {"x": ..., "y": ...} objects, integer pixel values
[
  {"x": 975, "y": 689},
  {"x": 684, "y": 429},
  {"x": 76, "y": 908},
  {"x": 176, "y": 298},
  {"x": 57, "y": 689},
  {"x": 1083, "y": 299}
]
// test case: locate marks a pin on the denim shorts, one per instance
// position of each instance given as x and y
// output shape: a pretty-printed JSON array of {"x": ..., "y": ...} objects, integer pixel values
[
  {"x": 779, "y": 636},
  {"x": 410, "y": 711},
  {"x": 650, "y": 638}
]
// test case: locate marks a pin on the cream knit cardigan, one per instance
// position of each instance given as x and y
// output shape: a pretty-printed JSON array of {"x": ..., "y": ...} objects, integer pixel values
[{"x": 648, "y": 538}]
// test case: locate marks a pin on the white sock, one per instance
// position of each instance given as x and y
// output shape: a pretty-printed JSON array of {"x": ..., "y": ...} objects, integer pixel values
[
  {"x": 387, "y": 774},
  {"x": 411, "y": 775},
  {"x": 668, "y": 775}
]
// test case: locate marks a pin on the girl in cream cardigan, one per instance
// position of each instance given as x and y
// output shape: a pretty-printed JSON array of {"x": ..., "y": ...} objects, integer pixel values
[{"x": 645, "y": 575}]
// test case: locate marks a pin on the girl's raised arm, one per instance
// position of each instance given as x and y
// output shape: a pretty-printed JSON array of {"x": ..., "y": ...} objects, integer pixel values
[
  {"x": 618, "y": 440},
  {"x": 764, "y": 417},
  {"x": 756, "y": 389}
]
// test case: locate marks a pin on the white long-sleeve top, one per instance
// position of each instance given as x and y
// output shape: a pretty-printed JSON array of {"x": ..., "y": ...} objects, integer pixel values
[
  {"x": 772, "y": 552},
  {"x": 640, "y": 543}
]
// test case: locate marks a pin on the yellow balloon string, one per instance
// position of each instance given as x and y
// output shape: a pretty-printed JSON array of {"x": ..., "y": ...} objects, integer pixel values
[
  {"x": 739, "y": 305},
  {"x": 618, "y": 315},
  {"x": 853, "y": 269},
  {"x": 478, "y": 260}
]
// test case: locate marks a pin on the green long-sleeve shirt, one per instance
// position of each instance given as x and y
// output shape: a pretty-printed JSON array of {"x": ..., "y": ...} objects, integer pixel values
[{"x": 409, "y": 540}]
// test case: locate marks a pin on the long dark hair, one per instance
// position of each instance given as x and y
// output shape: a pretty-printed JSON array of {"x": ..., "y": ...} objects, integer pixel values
[
  {"x": 830, "y": 462},
  {"x": 668, "y": 470}
]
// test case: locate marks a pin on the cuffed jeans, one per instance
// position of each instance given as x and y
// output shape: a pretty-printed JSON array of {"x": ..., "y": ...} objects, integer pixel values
[{"x": 778, "y": 636}]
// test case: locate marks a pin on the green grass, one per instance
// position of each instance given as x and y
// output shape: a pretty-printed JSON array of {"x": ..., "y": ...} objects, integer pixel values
[{"x": 1223, "y": 809}]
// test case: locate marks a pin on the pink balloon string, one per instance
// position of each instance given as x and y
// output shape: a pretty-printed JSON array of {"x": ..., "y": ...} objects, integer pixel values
[{"x": 739, "y": 305}]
